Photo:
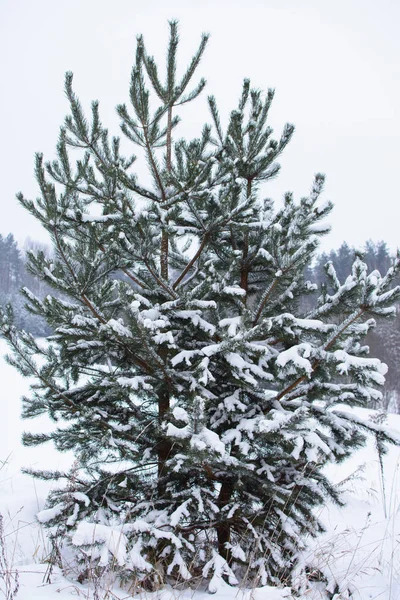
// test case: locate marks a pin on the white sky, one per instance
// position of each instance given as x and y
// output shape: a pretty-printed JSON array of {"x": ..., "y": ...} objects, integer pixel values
[{"x": 335, "y": 65}]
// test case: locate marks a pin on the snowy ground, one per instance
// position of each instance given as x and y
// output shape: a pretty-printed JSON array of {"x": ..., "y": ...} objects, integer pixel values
[{"x": 360, "y": 550}]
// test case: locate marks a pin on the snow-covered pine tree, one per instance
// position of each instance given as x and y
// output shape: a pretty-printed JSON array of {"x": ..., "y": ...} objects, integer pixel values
[{"x": 200, "y": 405}]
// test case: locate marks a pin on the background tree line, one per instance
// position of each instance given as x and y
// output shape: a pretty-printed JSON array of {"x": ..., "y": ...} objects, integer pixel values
[
  {"x": 14, "y": 276},
  {"x": 384, "y": 342}
]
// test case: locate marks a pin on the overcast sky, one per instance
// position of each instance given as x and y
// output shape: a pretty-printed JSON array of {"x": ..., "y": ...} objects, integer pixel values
[{"x": 335, "y": 65}]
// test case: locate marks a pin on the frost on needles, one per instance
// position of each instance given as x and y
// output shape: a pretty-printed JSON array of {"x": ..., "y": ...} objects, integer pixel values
[{"x": 200, "y": 398}]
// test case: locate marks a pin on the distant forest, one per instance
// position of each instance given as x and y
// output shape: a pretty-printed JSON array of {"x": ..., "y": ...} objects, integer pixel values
[
  {"x": 14, "y": 276},
  {"x": 384, "y": 341}
]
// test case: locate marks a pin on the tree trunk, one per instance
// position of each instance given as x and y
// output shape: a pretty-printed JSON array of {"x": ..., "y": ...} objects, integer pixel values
[
  {"x": 224, "y": 529},
  {"x": 164, "y": 445},
  {"x": 164, "y": 234}
]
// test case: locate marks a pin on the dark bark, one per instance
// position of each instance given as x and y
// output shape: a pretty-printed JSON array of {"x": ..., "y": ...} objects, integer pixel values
[
  {"x": 164, "y": 445},
  {"x": 224, "y": 528}
]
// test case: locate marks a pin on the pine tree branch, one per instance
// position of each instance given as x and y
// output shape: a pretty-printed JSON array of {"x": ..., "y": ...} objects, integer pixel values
[
  {"x": 143, "y": 364},
  {"x": 244, "y": 271},
  {"x": 37, "y": 373},
  {"x": 192, "y": 261},
  {"x": 270, "y": 289},
  {"x": 92, "y": 309},
  {"x": 83, "y": 296},
  {"x": 326, "y": 347},
  {"x": 135, "y": 279},
  {"x": 126, "y": 271},
  {"x": 153, "y": 164},
  {"x": 264, "y": 300},
  {"x": 160, "y": 282}
]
